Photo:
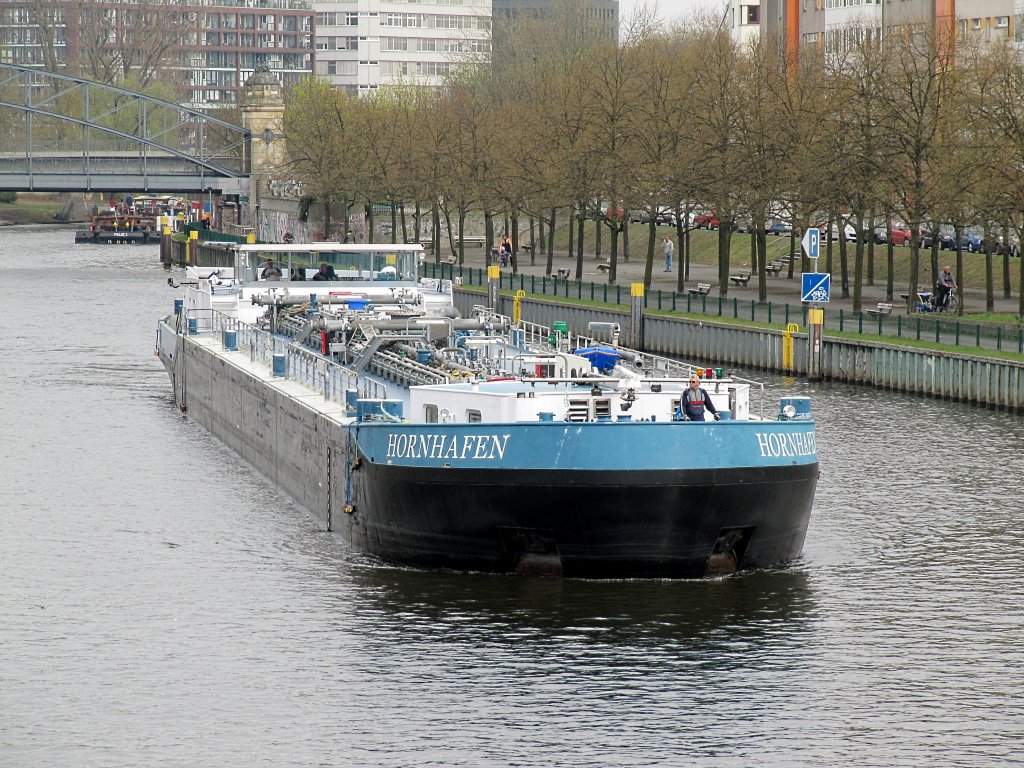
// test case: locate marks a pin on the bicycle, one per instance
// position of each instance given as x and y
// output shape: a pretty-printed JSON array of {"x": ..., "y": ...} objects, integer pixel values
[{"x": 952, "y": 303}]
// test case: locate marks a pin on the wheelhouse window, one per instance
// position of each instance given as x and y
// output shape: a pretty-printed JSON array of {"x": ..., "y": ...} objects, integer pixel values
[
  {"x": 473, "y": 417},
  {"x": 430, "y": 413}
]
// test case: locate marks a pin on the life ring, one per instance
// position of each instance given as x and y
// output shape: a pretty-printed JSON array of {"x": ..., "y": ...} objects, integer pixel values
[{"x": 445, "y": 416}]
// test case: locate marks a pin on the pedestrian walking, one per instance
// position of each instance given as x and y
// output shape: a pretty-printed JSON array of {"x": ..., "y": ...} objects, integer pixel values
[{"x": 669, "y": 247}]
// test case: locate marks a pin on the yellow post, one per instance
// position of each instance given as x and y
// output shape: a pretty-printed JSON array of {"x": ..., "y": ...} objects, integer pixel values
[
  {"x": 493, "y": 280},
  {"x": 815, "y": 321},
  {"x": 517, "y": 308},
  {"x": 636, "y": 315},
  {"x": 250, "y": 238},
  {"x": 787, "y": 346},
  {"x": 193, "y": 235}
]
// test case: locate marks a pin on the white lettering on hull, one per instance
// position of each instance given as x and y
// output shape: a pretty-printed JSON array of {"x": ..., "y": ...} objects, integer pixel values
[
  {"x": 774, "y": 444},
  {"x": 437, "y": 446}
]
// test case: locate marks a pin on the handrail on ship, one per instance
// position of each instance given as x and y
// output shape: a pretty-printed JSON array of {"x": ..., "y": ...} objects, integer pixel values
[
  {"x": 333, "y": 379},
  {"x": 667, "y": 366},
  {"x": 301, "y": 365}
]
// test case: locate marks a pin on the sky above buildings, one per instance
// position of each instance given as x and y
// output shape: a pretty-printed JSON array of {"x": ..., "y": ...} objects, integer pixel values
[{"x": 670, "y": 10}]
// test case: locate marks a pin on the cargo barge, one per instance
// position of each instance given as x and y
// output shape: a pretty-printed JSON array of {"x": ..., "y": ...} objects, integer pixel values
[{"x": 481, "y": 443}]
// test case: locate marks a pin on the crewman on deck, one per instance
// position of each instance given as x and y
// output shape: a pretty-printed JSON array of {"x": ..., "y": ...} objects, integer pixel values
[
  {"x": 326, "y": 272},
  {"x": 694, "y": 402},
  {"x": 270, "y": 271}
]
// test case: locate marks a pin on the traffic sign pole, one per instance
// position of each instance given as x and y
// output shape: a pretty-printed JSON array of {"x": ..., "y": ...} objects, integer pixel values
[{"x": 814, "y": 290}]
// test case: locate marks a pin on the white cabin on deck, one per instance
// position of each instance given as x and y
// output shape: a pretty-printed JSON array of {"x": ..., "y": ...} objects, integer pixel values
[{"x": 600, "y": 399}]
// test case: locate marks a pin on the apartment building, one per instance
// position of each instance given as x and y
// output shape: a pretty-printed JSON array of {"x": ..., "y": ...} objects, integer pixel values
[
  {"x": 232, "y": 36},
  {"x": 837, "y": 24},
  {"x": 362, "y": 44},
  {"x": 207, "y": 48}
]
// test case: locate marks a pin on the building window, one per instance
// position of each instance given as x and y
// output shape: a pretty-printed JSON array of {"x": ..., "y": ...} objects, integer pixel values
[
  {"x": 1002, "y": 22},
  {"x": 975, "y": 23},
  {"x": 752, "y": 14}
]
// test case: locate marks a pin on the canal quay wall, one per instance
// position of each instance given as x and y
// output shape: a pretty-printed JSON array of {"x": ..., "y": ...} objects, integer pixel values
[
  {"x": 963, "y": 377},
  {"x": 967, "y": 378}
]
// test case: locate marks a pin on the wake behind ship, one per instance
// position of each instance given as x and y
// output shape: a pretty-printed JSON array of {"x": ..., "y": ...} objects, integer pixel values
[{"x": 477, "y": 443}]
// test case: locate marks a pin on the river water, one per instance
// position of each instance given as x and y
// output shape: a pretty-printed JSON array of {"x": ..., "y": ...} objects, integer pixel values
[{"x": 161, "y": 604}]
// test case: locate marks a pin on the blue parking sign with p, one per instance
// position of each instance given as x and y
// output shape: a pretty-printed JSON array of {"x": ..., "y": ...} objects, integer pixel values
[
  {"x": 815, "y": 287},
  {"x": 811, "y": 242}
]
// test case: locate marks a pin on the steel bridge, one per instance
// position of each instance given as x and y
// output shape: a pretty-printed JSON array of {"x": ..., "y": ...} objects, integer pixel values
[{"x": 60, "y": 133}]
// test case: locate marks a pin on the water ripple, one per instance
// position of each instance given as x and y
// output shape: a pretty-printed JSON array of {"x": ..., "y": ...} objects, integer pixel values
[{"x": 163, "y": 604}]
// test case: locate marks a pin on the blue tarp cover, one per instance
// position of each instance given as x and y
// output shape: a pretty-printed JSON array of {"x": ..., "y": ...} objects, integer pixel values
[{"x": 602, "y": 358}]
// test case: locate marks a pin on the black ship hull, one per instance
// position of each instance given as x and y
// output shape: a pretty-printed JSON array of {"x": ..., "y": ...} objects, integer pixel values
[{"x": 592, "y": 524}]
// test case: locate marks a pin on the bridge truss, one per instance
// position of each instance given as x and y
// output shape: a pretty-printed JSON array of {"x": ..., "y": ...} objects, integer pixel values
[{"x": 61, "y": 133}]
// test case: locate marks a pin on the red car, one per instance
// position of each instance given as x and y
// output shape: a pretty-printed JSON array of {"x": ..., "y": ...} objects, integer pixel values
[
  {"x": 900, "y": 235},
  {"x": 705, "y": 221}
]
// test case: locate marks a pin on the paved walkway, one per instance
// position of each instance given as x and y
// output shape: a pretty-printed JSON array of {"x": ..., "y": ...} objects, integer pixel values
[{"x": 780, "y": 289}]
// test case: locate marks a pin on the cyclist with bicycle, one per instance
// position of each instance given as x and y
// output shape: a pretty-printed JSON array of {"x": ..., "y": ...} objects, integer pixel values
[{"x": 944, "y": 286}]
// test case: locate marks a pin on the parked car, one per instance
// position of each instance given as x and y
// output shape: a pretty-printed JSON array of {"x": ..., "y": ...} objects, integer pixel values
[
  {"x": 849, "y": 231},
  {"x": 1012, "y": 246},
  {"x": 901, "y": 235},
  {"x": 705, "y": 221},
  {"x": 970, "y": 239},
  {"x": 944, "y": 235},
  {"x": 778, "y": 227},
  {"x": 662, "y": 218}
]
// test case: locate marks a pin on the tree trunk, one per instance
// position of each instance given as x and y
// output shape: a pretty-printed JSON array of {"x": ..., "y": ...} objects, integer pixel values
[
  {"x": 844, "y": 264},
  {"x": 515, "y": 242},
  {"x": 581, "y": 220},
  {"x": 889, "y": 268},
  {"x": 652, "y": 234},
  {"x": 990, "y": 299},
  {"x": 488, "y": 238},
  {"x": 462, "y": 233},
  {"x": 551, "y": 241},
  {"x": 533, "y": 242},
  {"x": 724, "y": 239},
  {"x": 613, "y": 258},
  {"x": 871, "y": 250},
  {"x": 572, "y": 230},
  {"x": 915, "y": 269}
]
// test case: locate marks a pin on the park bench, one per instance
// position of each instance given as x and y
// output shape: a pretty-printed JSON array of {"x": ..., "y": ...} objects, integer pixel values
[
  {"x": 740, "y": 278},
  {"x": 452, "y": 259},
  {"x": 883, "y": 309},
  {"x": 604, "y": 266},
  {"x": 773, "y": 267},
  {"x": 702, "y": 289},
  {"x": 563, "y": 274}
]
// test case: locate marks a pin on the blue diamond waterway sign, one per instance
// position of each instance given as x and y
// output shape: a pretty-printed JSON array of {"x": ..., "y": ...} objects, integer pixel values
[{"x": 815, "y": 287}]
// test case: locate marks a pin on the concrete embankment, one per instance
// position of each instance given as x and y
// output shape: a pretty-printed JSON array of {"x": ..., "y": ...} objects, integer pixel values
[{"x": 967, "y": 378}]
